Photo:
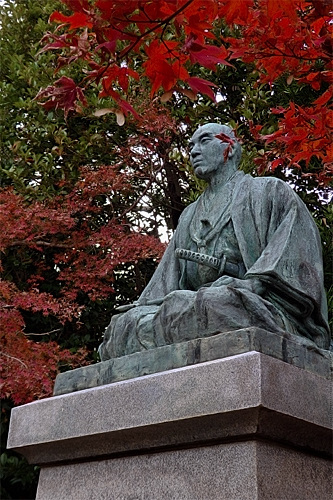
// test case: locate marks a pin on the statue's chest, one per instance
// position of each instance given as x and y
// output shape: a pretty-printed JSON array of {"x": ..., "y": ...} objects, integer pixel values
[
  {"x": 208, "y": 231},
  {"x": 219, "y": 244}
]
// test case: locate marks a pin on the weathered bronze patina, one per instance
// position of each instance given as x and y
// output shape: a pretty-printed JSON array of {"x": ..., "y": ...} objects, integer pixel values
[{"x": 247, "y": 253}]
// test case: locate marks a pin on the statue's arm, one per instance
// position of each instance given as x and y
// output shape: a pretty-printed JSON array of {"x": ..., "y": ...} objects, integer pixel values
[
  {"x": 287, "y": 246},
  {"x": 254, "y": 285},
  {"x": 266, "y": 216},
  {"x": 164, "y": 280}
]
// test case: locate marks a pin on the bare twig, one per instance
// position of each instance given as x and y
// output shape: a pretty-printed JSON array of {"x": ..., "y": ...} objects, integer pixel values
[
  {"x": 46, "y": 333},
  {"x": 152, "y": 179},
  {"x": 13, "y": 357},
  {"x": 41, "y": 244}
]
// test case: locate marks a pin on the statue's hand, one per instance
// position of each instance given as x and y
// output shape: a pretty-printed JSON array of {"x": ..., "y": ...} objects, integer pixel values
[{"x": 254, "y": 285}]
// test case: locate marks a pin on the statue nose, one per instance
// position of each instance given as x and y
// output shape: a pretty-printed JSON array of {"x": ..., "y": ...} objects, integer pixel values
[{"x": 195, "y": 152}]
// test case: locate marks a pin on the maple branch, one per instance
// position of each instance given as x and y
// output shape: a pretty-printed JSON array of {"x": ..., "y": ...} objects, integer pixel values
[
  {"x": 13, "y": 357},
  {"x": 46, "y": 333},
  {"x": 170, "y": 51},
  {"x": 262, "y": 55},
  {"x": 274, "y": 47},
  {"x": 134, "y": 204},
  {"x": 291, "y": 56},
  {"x": 147, "y": 16},
  {"x": 40, "y": 243},
  {"x": 157, "y": 25}
]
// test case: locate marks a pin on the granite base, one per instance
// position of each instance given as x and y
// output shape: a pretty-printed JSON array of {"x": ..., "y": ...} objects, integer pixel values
[
  {"x": 249, "y": 470},
  {"x": 244, "y": 427}
]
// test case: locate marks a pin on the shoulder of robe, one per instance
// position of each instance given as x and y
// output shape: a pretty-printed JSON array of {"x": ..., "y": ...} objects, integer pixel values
[
  {"x": 271, "y": 186},
  {"x": 270, "y": 182},
  {"x": 187, "y": 212}
]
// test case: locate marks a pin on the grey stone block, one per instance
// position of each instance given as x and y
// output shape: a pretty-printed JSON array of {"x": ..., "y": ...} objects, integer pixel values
[
  {"x": 289, "y": 348},
  {"x": 246, "y": 470},
  {"x": 246, "y": 395},
  {"x": 246, "y": 427}
]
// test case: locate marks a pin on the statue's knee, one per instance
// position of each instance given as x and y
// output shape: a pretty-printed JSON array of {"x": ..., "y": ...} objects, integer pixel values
[{"x": 180, "y": 295}]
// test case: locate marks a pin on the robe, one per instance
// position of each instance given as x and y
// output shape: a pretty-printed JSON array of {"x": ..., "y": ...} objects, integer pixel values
[{"x": 263, "y": 226}]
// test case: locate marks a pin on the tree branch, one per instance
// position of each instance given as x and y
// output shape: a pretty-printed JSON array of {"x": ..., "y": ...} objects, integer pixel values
[
  {"x": 164, "y": 22},
  {"x": 40, "y": 243},
  {"x": 46, "y": 333},
  {"x": 13, "y": 357}
]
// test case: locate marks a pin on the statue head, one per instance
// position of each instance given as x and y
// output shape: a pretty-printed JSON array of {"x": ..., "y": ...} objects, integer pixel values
[{"x": 211, "y": 155}]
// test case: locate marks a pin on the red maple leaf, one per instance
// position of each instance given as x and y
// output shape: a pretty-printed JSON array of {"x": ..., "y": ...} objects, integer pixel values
[
  {"x": 281, "y": 8},
  {"x": 77, "y": 20},
  {"x": 201, "y": 85},
  {"x": 225, "y": 138},
  {"x": 235, "y": 11},
  {"x": 64, "y": 94},
  {"x": 77, "y": 5},
  {"x": 323, "y": 99},
  {"x": 206, "y": 55},
  {"x": 161, "y": 67},
  {"x": 121, "y": 74}
]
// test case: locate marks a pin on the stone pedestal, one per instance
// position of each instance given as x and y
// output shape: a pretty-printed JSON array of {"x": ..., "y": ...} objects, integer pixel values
[{"x": 244, "y": 427}]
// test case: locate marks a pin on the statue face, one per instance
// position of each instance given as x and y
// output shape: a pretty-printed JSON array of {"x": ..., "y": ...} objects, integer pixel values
[{"x": 206, "y": 151}]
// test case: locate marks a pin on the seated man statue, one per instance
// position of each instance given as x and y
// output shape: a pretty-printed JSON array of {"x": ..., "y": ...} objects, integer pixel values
[{"x": 247, "y": 253}]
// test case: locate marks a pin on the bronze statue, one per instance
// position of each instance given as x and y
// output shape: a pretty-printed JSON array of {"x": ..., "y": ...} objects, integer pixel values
[{"x": 246, "y": 253}]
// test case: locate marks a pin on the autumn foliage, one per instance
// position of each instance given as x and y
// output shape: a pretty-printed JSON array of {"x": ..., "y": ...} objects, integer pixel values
[
  {"x": 77, "y": 243},
  {"x": 61, "y": 253},
  {"x": 21, "y": 383},
  {"x": 119, "y": 42}
]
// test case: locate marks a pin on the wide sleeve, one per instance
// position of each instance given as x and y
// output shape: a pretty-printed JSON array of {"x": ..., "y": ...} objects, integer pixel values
[
  {"x": 165, "y": 279},
  {"x": 167, "y": 276},
  {"x": 280, "y": 244}
]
